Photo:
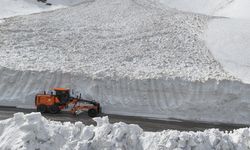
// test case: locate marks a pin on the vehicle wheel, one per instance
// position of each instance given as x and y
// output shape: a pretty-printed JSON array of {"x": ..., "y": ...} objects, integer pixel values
[
  {"x": 92, "y": 113},
  {"x": 54, "y": 109},
  {"x": 41, "y": 108}
]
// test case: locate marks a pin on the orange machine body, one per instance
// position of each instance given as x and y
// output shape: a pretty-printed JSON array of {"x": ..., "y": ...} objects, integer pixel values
[
  {"x": 47, "y": 100},
  {"x": 59, "y": 99}
]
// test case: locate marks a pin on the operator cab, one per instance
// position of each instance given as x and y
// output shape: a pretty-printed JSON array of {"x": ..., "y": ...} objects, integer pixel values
[{"x": 62, "y": 94}]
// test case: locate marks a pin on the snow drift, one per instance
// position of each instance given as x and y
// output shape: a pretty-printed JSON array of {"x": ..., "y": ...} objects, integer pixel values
[
  {"x": 225, "y": 8},
  {"x": 229, "y": 42},
  {"x": 32, "y": 131},
  {"x": 10, "y": 8},
  {"x": 134, "y": 56},
  {"x": 226, "y": 38},
  {"x": 130, "y": 39}
]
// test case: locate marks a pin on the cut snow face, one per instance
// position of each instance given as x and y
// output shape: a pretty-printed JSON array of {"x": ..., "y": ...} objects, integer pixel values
[
  {"x": 10, "y": 8},
  {"x": 32, "y": 131}
]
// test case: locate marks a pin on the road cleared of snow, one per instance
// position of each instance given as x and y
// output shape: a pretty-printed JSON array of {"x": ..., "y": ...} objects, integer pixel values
[{"x": 32, "y": 131}]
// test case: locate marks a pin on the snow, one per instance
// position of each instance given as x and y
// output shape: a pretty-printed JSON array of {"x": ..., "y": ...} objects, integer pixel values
[
  {"x": 229, "y": 42},
  {"x": 225, "y": 8},
  {"x": 236, "y": 9},
  {"x": 209, "y": 7},
  {"x": 227, "y": 39},
  {"x": 133, "y": 56},
  {"x": 158, "y": 98},
  {"x": 130, "y": 39},
  {"x": 32, "y": 131},
  {"x": 10, "y": 8}
]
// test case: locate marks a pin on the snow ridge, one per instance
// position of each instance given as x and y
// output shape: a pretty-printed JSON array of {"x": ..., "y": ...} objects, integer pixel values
[{"x": 32, "y": 131}]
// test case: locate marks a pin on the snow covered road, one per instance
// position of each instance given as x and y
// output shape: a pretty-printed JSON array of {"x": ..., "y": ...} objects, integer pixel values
[{"x": 145, "y": 123}]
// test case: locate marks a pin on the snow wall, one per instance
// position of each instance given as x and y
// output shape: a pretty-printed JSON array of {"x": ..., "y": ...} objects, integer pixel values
[
  {"x": 32, "y": 131},
  {"x": 224, "y": 101}
]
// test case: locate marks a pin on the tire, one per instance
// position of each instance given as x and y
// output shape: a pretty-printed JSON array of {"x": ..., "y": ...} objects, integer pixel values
[
  {"x": 53, "y": 109},
  {"x": 41, "y": 108},
  {"x": 92, "y": 113}
]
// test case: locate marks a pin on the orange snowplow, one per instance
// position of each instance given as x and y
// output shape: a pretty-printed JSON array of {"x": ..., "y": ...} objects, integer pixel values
[{"x": 60, "y": 98}]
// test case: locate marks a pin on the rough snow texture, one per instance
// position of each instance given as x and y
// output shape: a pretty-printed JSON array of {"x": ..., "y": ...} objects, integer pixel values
[
  {"x": 32, "y": 131},
  {"x": 10, "y": 8},
  {"x": 227, "y": 39},
  {"x": 110, "y": 38}
]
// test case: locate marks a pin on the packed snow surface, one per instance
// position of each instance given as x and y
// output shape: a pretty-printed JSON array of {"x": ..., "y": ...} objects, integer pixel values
[
  {"x": 209, "y": 7},
  {"x": 225, "y": 8},
  {"x": 229, "y": 42},
  {"x": 32, "y": 131},
  {"x": 228, "y": 39},
  {"x": 10, "y": 8}
]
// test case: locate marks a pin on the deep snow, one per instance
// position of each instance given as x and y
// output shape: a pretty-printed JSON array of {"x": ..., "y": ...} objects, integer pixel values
[
  {"x": 115, "y": 39},
  {"x": 10, "y": 8},
  {"x": 209, "y": 7},
  {"x": 226, "y": 38},
  {"x": 224, "y": 8},
  {"x": 32, "y": 131},
  {"x": 229, "y": 42},
  {"x": 159, "y": 98},
  {"x": 134, "y": 56}
]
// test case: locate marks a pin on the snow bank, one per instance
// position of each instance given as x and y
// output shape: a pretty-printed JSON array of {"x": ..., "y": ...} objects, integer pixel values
[
  {"x": 229, "y": 42},
  {"x": 32, "y": 131},
  {"x": 10, "y": 8},
  {"x": 226, "y": 8},
  {"x": 160, "y": 98}
]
